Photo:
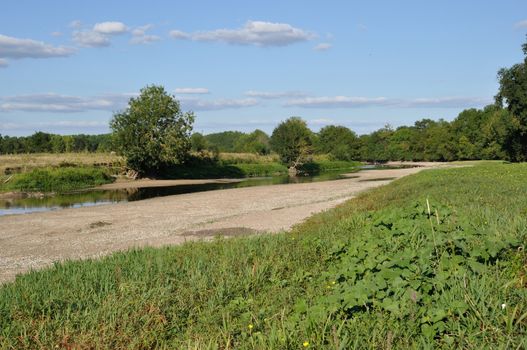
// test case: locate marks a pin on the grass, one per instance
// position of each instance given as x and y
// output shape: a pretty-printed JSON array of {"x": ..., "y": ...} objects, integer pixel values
[
  {"x": 432, "y": 260},
  {"x": 57, "y": 179},
  {"x": 18, "y": 163}
]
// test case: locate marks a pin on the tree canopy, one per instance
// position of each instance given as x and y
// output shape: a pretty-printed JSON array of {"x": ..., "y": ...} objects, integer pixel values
[
  {"x": 292, "y": 140},
  {"x": 152, "y": 131},
  {"x": 513, "y": 92},
  {"x": 339, "y": 142}
]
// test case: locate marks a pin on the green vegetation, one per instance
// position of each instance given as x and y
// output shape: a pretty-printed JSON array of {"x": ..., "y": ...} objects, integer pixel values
[
  {"x": 41, "y": 142},
  {"x": 57, "y": 179},
  {"x": 293, "y": 141},
  {"x": 432, "y": 260},
  {"x": 339, "y": 142},
  {"x": 152, "y": 131}
]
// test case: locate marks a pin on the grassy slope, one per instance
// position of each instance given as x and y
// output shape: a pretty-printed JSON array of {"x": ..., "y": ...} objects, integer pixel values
[
  {"x": 57, "y": 179},
  {"x": 376, "y": 272}
]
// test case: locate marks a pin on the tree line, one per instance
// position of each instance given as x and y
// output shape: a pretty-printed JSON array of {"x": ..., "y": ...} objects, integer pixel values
[
  {"x": 489, "y": 133},
  {"x": 41, "y": 142},
  {"x": 153, "y": 132}
]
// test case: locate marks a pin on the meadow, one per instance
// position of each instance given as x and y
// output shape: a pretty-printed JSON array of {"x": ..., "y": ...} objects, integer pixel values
[{"x": 432, "y": 260}]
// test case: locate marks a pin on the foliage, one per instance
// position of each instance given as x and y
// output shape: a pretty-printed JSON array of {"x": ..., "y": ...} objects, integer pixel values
[
  {"x": 198, "y": 142},
  {"x": 292, "y": 140},
  {"x": 58, "y": 179},
  {"x": 224, "y": 141},
  {"x": 339, "y": 142},
  {"x": 255, "y": 142},
  {"x": 152, "y": 131},
  {"x": 41, "y": 142},
  {"x": 380, "y": 271},
  {"x": 513, "y": 91}
]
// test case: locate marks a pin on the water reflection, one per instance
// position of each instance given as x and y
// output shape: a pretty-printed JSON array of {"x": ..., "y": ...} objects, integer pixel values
[{"x": 102, "y": 197}]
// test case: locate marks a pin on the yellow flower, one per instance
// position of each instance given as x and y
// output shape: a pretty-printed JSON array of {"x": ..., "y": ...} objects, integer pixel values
[
  {"x": 251, "y": 326},
  {"x": 305, "y": 344},
  {"x": 333, "y": 282}
]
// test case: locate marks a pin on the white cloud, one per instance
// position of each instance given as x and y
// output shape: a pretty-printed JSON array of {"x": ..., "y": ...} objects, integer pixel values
[
  {"x": 51, "y": 102},
  {"x": 110, "y": 28},
  {"x": 76, "y": 24},
  {"x": 61, "y": 123},
  {"x": 274, "y": 94},
  {"x": 447, "y": 102},
  {"x": 56, "y": 103},
  {"x": 188, "y": 90},
  {"x": 257, "y": 33},
  {"x": 3, "y": 63},
  {"x": 27, "y": 48},
  {"x": 209, "y": 105},
  {"x": 322, "y": 47},
  {"x": 91, "y": 39},
  {"x": 139, "y": 35},
  {"x": 337, "y": 102},
  {"x": 521, "y": 24},
  {"x": 56, "y": 34},
  {"x": 355, "y": 102},
  {"x": 99, "y": 35},
  {"x": 177, "y": 34}
]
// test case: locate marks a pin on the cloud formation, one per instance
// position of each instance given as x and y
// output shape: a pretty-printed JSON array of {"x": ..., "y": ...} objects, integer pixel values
[
  {"x": 269, "y": 95},
  {"x": 356, "y": 102},
  {"x": 110, "y": 28},
  {"x": 51, "y": 102},
  {"x": 188, "y": 90},
  {"x": 337, "y": 102},
  {"x": 57, "y": 103},
  {"x": 16, "y": 48},
  {"x": 214, "y": 105},
  {"x": 323, "y": 47},
  {"x": 57, "y": 124},
  {"x": 139, "y": 35},
  {"x": 258, "y": 33},
  {"x": 3, "y": 63},
  {"x": 99, "y": 35},
  {"x": 90, "y": 38},
  {"x": 521, "y": 24}
]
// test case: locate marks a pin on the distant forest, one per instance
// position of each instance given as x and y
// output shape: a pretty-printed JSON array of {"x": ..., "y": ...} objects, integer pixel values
[{"x": 490, "y": 133}]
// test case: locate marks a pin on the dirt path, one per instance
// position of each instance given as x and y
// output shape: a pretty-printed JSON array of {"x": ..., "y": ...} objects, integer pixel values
[{"x": 37, "y": 240}]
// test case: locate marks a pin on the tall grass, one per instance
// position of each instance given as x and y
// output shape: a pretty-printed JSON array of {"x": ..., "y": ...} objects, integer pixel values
[
  {"x": 364, "y": 275},
  {"x": 57, "y": 179},
  {"x": 18, "y": 163}
]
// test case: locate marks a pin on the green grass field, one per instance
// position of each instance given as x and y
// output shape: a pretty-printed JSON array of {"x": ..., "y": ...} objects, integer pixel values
[
  {"x": 57, "y": 179},
  {"x": 432, "y": 260}
]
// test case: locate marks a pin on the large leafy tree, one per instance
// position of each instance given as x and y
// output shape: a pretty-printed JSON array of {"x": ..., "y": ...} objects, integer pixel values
[
  {"x": 255, "y": 142},
  {"x": 152, "y": 131},
  {"x": 513, "y": 92},
  {"x": 292, "y": 140},
  {"x": 339, "y": 142}
]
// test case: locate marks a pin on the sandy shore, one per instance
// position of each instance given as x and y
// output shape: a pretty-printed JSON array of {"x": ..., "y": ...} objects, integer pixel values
[{"x": 33, "y": 241}]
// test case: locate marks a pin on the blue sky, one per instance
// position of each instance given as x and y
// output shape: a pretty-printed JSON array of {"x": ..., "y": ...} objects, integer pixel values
[{"x": 67, "y": 66}]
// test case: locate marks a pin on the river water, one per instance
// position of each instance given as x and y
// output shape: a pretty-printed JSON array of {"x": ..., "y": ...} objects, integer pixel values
[{"x": 101, "y": 197}]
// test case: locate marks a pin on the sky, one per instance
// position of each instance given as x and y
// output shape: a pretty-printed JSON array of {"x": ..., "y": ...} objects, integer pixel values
[{"x": 67, "y": 66}]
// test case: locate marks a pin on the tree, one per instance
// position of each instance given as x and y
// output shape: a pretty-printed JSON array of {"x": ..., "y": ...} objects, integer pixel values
[
  {"x": 513, "y": 91},
  {"x": 152, "y": 131},
  {"x": 339, "y": 142},
  {"x": 224, "y": 141},
  {"x": 292, "y": 140},
  {"x": 198, "y": 142},
  {"x": 255, "y": 142}
]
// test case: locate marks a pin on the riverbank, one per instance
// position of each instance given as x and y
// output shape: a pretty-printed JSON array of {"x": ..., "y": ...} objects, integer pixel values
[
  {"x": 39, "y": 239},
  {"x": 433, "y": 260}
]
